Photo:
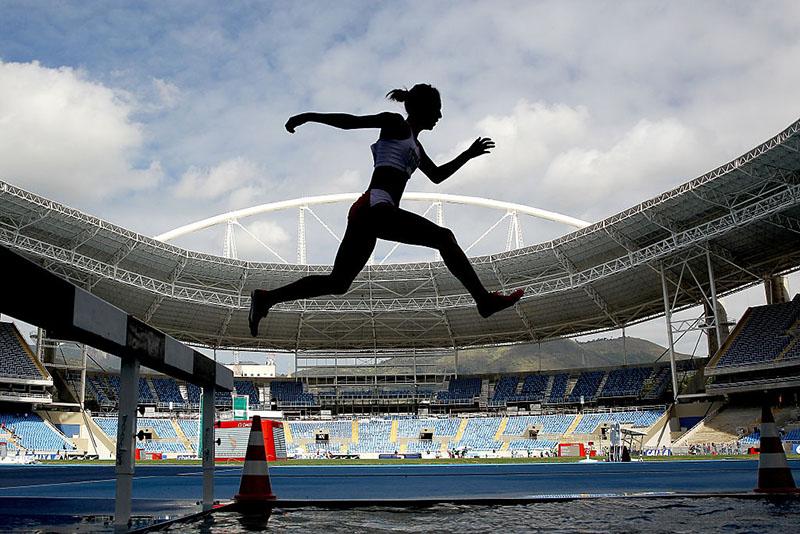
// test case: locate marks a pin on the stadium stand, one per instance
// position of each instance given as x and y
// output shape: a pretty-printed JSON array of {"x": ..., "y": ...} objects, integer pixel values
[
  {"x": 373, "y": 436},
  {"x": 559, "y": 389},
  {"x": 222, "y": 398},
  {"x": 16, "y": 359},
  {"x": 533, "y": 388},
  {"x": 479, "y": 434},
  {"x": 246, "y": 387},
  {"x": 165, "y": 446},
  {"x": 308, "y": 429},
  {"x": 763, "y": 337},
  {"x": 193, "y": 394},
  {"x": 459, "y": 391},
  {"x": 625, "y": 382},
  {"x": 145, "y": 393},
  {"x": 290, "y": 394},
  {"x": 423, "y": 445},
  {"x": 556, "y": 424},
  {"x": 655, "y": 386},
  {"x": 167, "y": 391},
  {"x": 636, "y": 419},
  {"x": 531, "y": 444},
  {"x": 504, "y": 389},
  {"x": 32, "y": 433},
  {"x": 586, "y": 386}
]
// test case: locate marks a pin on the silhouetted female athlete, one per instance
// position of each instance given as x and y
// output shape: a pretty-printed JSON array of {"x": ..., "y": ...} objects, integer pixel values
[{"x": 377, "y": 214}]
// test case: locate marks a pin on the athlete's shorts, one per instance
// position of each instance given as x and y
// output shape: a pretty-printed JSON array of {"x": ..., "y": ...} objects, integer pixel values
[{"x": 370, "y": 199}]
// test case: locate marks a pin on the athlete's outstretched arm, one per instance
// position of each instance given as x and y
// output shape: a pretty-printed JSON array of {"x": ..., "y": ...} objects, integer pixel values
[
  {"x": 345, "y": 121},
  {"x": 440, "y": 173}
]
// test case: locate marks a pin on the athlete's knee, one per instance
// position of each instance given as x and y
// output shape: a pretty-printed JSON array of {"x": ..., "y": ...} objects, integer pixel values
[
  {"x": 339, "y": 284},
  {"x": 445, "y": 238}
]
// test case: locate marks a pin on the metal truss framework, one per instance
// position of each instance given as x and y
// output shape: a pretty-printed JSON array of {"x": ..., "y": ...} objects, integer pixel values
[{"x": 743, "y": 216}]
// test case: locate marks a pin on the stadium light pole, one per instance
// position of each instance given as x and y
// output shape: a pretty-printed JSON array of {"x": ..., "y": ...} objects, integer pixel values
[{"x": 670, "y": 341}]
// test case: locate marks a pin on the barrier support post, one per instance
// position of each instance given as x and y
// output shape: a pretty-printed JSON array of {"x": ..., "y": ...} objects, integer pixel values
[
  {"x": 126, "y": 449},
  {"x": 207, "y": 418}
]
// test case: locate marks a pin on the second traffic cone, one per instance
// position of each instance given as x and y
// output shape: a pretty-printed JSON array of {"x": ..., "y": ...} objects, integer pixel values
[
  {"x": 255, "y": 486},
  {"x": 774, "y": 475}
]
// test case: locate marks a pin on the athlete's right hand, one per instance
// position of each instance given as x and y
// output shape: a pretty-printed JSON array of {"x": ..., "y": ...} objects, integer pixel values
[{"x": 295, "y": 121}]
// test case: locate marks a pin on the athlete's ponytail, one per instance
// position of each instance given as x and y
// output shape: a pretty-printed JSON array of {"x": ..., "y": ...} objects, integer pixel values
[
  {"x": 398, "y": 95},
  {"x": 421, "y": 96}
]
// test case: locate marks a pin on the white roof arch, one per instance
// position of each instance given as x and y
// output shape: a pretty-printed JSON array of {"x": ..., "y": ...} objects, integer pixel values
[{"x": 344, "y": 197}]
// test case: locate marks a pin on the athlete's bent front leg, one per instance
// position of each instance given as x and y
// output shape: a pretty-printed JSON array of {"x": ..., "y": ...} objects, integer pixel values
[{"x": 354, "y": 251}]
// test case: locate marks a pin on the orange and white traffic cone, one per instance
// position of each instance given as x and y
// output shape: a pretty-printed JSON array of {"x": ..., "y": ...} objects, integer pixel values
[
  {"x": 774, "y": 475},
  {"x": 255, "y": 487}
]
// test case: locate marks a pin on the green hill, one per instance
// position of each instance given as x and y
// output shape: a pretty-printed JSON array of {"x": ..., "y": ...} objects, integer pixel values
[{"x": 552, "y": 355}]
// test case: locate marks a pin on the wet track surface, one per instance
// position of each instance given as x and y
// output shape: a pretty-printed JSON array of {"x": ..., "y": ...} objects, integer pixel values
[{"x": 27, "y": 492}]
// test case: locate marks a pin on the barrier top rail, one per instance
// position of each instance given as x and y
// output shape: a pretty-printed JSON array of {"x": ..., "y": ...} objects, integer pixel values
[{"x": 39, "y": 297}]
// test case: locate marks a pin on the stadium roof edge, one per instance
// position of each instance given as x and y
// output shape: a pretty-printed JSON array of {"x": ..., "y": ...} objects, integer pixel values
[{"x": 744, "y": 213}]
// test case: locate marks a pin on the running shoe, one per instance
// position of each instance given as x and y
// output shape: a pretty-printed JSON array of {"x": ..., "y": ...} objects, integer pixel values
[{"x": 497, "y": 302}]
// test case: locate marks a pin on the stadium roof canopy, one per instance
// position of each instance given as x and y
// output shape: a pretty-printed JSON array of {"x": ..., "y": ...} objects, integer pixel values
[{"x": 744, "y": 216}]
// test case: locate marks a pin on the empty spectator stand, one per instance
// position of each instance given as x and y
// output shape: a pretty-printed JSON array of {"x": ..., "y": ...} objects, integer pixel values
[
  {"x": 168, "y": 392},
  {"x": 459, "y": 391},
  {"x": 586, "y": 387},
  {"x": 590, "y": 422},
  {"x": 504, "y": 389},
  {"x": 34, "y": 434},
  {"x": 290, "y": 394},
  {"x": 374, "y": 437},
  {"x": 551, "y": 425},
  {"x": 16, "y": 359},
  {"x": 533, "y": 388},
  {"x": 479, "y": 435},
  {"x": 761, "y": 336},
  {"x": 247, "y": 387},
  {"x": 559, "y": 389},
  {"x": 761, "y": 353},
  {"x": 627, "y": 382}
]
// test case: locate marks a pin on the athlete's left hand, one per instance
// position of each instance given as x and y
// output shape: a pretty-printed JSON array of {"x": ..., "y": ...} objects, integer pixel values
[{"x": 482, "y": 145}]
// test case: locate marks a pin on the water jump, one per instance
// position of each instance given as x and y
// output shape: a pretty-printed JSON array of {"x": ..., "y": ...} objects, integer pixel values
[{"x": 377, "y": 214}]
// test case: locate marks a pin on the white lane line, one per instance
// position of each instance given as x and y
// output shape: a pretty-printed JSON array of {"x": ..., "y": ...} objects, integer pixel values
[{"x": 48, "y": 484}]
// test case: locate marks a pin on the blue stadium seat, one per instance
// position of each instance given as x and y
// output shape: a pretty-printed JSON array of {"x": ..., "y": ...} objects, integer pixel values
[
  {"x": 559, "y": 389},
  {"x": 32, "y": 433},
  {"x": 16, "y": 359},
  {"x": 247, "y": 387},
  {"x": 586, "y": 386},
  {"x": 763, "y": 337}
]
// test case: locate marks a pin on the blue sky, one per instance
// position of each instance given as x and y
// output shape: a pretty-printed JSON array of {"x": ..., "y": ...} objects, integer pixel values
[{"x": 156, "y": 114}]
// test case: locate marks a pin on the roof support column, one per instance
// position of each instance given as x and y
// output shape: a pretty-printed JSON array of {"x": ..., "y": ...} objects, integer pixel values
[
  {"x": 670, "y": 341},
  {"x": 713, "y": 287}
]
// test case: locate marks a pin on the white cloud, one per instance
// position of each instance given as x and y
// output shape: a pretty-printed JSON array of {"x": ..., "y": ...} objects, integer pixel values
[
  {"x": 269, "y": 233},
  {"x": 526, "y": 140},
  {"x": 225, "y": 179},
  {"x": 64, "y": 136},
  {"x": 649, "y": 158},
  {"x": 168, "y": 93}
]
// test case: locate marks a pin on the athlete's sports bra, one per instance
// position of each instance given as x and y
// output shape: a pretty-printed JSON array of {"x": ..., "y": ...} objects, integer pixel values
[{"x": 402, "y": 154}]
